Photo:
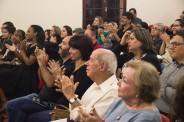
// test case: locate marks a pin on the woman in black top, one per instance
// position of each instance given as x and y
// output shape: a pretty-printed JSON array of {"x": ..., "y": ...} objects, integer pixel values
[{"x": 140, "y": 47}]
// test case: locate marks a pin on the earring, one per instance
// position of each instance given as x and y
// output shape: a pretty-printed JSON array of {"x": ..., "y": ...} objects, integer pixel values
[{"x": 137, "y": 95}]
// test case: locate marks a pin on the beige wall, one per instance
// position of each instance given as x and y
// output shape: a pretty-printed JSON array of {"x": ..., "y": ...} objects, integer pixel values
[
  {"x": 46, "y": 13},
  {"x": 154, "y": 11}
]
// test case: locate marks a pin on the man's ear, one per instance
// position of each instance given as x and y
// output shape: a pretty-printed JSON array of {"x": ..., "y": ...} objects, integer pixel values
[{"x": 103, "y": 67}]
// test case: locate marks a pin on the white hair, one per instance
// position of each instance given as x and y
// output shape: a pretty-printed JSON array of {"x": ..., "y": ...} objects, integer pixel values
[{"x": 108, "y": 57}]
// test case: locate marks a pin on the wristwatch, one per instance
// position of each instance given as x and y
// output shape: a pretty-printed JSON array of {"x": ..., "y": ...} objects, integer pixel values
[{"x": 72, "y": 100}]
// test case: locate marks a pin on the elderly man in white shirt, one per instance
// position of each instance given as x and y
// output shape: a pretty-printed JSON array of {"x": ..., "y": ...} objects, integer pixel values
[{"x": 101, "y": 68}]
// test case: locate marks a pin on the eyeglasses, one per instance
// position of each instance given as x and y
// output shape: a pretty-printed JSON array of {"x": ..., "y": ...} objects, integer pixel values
[
  {"x": 176, "y": 25},
  {"x": 175, "y": 44},
  {"x": 155, "y": 29}
]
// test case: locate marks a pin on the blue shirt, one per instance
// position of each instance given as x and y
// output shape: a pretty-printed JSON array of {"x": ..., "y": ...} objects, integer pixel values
[{"x": 119, "y": 113}]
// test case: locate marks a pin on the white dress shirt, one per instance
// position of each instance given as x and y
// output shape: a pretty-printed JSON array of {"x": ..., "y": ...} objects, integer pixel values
[{"x": 99, "y": 97}]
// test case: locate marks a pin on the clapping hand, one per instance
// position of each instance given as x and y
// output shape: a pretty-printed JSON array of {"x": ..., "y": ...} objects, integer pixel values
[
  {"x": 66, "y": 85},
  {"x": 41, "y": 56},
  {"x": 89, "y": 117},
  {"x": 11, "y": 48},
  {"x": 55, "y": 69}
]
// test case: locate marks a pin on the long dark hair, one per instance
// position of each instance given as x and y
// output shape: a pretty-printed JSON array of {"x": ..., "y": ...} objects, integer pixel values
[{"x": 40, "y": 34}]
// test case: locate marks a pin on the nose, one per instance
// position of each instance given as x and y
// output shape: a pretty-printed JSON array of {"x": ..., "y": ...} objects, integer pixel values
[
  {"x": 171, "y": 46},
  {"x": 87, "y": 62}
]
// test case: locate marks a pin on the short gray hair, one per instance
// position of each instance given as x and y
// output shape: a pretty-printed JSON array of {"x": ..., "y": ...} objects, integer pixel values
[
  {"x": 107, "y": 56},
  {"x": 161, "y": 27}
]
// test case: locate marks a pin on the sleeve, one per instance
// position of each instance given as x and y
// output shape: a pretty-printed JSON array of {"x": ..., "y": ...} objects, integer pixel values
[
  {"x": 152, "y": 58},
  {"x": 119, "y": 48}
]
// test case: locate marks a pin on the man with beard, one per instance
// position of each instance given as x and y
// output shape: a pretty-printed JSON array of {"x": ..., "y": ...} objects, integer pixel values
[
  {"x": 36, "y": 107},
  {"x": 118, "y": 50}
]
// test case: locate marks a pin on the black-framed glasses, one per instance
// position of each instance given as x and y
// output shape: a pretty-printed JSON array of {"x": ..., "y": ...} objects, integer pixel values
[
  {"x": 176, "y": 25},
  {"x": 155, "y": 29},
  {"x": 175, "y": 44}
]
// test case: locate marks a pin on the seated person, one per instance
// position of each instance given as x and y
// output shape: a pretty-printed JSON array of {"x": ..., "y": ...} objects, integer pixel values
[
  {"x": 177, "y": 103},
  {"x": 7, "y": 54},
  {"x": 138, "y": 89},
  {"x": 101, "y": 69},
  {"x": 171, "y": 73}
]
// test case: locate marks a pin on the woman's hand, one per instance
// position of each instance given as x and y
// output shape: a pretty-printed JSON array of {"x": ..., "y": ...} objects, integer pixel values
[
  {"x": 41, "y": 56},
  {"x": 125, "y": 38},
  {"x": 89, "y": 117},
  {"x": 23, "y": 45},
  {"x": 11, "y": 48}
]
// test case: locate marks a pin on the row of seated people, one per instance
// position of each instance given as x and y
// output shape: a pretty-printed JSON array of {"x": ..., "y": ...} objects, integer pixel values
[{"x": 135, "y": 42}]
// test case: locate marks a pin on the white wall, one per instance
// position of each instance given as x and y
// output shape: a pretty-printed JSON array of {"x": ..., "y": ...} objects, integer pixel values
[
  {"x": 154, "y": 11},
  {"x": 45, "y": 13}
]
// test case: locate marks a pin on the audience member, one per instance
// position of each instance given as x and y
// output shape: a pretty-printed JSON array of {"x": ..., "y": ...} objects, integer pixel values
[
  {"x": 17, "y": 38},
  {"x": 164, "y": 51},
  {"x": 182, "y": 15},
  {"x": 143, "y": 25},
  {"x": 113, "y": 35},
  {"x": 66, "y": 31},
  {"x": 52, "y": 47},
  {"x": 140, "y": 46},
  {"x": 77, "y": 31},
  {"x": 126, "y": 21},
  {"x": 98, "y": 21},
  {"x": 135, "y": 20},
  {"x": 177, "y": 113},
  {"x": 155, "y": 32},
  {"x": 138, "y": 89},
  {"x": 101, "y": 68},
  {"x": 178, "y": 25},
  {"x": 55, "y": 30},
  {"x": 47, "y": 35},
  {"x": 172, "y": 73},
  {"x": 7, "y": 34},
  {"x": 92, "y": 33}
]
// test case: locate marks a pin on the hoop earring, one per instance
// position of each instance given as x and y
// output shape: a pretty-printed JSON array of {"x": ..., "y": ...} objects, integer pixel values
[{"x": 137, "y": 95}]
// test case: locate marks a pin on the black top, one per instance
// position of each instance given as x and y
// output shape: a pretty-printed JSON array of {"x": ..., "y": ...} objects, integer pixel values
[
  {"x": 49, "y": 93},
  {"x": 19, "y": 80},
  {"x": 80, "y": 75},
  {"x": 150, "y": 57},
  {"x": 157, "y": 42},
  {"x": 52, "y": 50}
]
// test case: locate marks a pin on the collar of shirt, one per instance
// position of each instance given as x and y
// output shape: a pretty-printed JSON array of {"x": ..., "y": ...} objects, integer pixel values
[{"x": 104, "y": 86}]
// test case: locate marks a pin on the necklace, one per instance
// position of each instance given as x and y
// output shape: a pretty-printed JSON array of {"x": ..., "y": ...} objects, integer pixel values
[
  {"x": 76, "y": 68},
  {"x": 134, "y": 58}
]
